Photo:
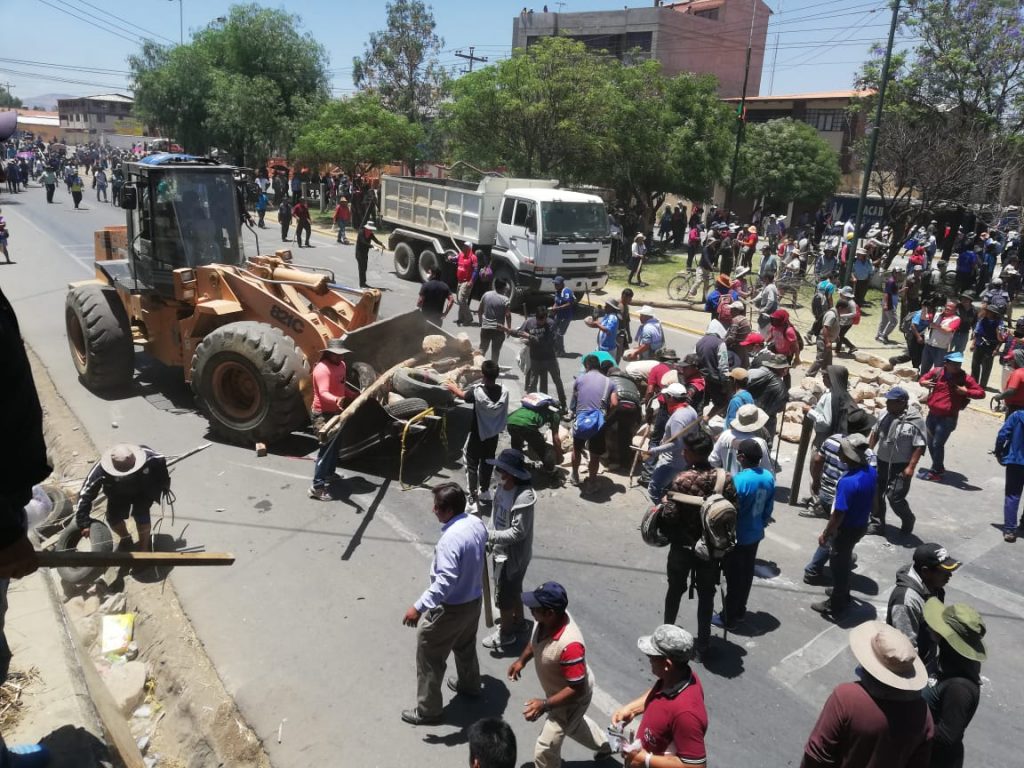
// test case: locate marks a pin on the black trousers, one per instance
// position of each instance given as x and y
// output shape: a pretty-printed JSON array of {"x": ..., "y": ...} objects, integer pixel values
[
  {"x": 842, "y": 564},
  {"x": 887, "y": 473},
  {"x": 684, "y": 569},
  {"x": 537, "y": 377},
  {"x": 739, "y": 578},
  {"x": 301, "y": 226},
  {"x": 362, "y": 259},
  {"x": 981, "y": 366},
  {"x": 493, "y": 338},
  {"x": 49, "y": 192},
  {"x": 285, "y": 226}
]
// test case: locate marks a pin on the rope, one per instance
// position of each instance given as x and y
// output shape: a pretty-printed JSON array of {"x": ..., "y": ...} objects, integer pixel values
[{"x": 405, "y": 431}]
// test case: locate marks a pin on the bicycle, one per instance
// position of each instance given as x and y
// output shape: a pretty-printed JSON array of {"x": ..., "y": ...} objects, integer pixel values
[{"x": 687, "y": 285}]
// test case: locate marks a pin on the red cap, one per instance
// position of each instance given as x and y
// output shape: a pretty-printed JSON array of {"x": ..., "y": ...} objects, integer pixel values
[{"x": 752, "y": 338}]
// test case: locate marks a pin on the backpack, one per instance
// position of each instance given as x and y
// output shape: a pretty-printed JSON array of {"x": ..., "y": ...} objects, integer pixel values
[
  {"x": 818, "y": 305},
  {"x": 717, "y": 520},
  {"x": 537, "y": 401}
]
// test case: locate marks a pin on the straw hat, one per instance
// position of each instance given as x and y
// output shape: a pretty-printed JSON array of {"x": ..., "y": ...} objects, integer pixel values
[
  {"x": 123, "y": 459},
  {"x": 887, "y": 655}
]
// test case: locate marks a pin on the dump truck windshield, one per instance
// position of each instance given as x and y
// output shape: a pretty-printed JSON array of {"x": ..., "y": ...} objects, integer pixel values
[
  {"x": 195, "y": 218},
  {"x": 574, "y": 221}
]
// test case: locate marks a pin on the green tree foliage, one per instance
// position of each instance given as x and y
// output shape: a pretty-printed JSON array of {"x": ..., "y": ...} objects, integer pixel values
[
  {"x": 953, "y": 121},
  {"x": 543, "y": 112},
  {"x": 669, "y": 135},
  {"x": 357, "y": 134},
  {"x": 7, "y": 99},
  {"x": 400, "y": 62},
  {"x": 786, "y": 160},
  {"x": 558, "y": 110},
  {"x": 241, "y": 86}
]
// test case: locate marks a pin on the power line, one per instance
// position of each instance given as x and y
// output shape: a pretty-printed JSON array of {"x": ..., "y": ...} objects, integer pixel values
[
  {"x": 57, "y": 79},
  {"x": 76, "y": 67},
  {"x": 134, "y": 40},
  {"x": 130, "y": 24}
]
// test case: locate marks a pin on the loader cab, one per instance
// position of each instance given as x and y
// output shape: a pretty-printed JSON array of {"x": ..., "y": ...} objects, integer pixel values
[{"x": 183, "y": 211}]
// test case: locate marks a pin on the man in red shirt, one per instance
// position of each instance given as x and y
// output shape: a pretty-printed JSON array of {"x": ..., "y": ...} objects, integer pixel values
[
  {"x": 673, "y": 710},
  {"x": 328, "y": 400},
  {"x": 881, "y": 720},
  {"x": 300, "y": 212},
  {"x": 465, "y": 276},
  {"x": 951, "y": 390},
  {"x": 561, "y": 661}
]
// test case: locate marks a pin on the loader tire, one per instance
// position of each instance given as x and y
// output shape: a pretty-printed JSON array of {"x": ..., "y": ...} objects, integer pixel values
[
  {"x": 248, "y": 379},
  {"x": 407, "y": 408},
  {"x": 100, "y": 338},
  {"x": 406, "y": 262},
  {"x": 101, "y": 539},
  {"x": 517, "y": 295}
]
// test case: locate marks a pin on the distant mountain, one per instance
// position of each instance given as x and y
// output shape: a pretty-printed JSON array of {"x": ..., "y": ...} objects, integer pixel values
[{"x": 45, "y": 101}]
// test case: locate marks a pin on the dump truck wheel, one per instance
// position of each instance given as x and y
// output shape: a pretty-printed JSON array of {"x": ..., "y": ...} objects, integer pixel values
[
  {"x": 247, "y": 379},
  {"x": 100, "y": 337},
  {"x": 100, "y": 540},
  {"x": 428, "y": 261},
  {"x": 405, "y": 261},
  {"x": 406, "y": 409}
]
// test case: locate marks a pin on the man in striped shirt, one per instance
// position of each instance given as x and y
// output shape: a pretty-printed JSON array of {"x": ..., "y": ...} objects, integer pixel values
[{"x": 568, "y": 684}]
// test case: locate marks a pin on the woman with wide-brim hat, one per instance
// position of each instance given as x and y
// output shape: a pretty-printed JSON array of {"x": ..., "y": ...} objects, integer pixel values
[
  {"x": 954, "y": 697},
  {"x": 636, "y": 258}
]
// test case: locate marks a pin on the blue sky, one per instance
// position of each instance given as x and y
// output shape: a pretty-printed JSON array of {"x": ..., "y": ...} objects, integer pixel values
[{"x": 820, "y": 42}]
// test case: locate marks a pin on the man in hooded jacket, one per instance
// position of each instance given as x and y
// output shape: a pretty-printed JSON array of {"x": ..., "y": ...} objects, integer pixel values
[{"x": 924, "y": 578}]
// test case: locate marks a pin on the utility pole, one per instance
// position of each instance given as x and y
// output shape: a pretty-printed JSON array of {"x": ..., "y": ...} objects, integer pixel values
[
  {"x": 869, "y": 162},
  {"x": 181, "y": 22},
  {"x": 775, "y": 56},
  {"x": 470, "y": 58},
  {"x": 741, "y": 115}
]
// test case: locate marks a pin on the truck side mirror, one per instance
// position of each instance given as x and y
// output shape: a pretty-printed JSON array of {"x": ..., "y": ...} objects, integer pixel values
[{"x": 129, "y": 197}]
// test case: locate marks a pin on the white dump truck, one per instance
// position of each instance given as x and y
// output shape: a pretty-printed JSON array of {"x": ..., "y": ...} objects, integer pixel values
[{"x": 527, "y": 230}]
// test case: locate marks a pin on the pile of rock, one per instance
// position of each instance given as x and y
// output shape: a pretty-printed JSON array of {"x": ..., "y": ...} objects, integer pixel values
[{"x": 867, "y": 390}]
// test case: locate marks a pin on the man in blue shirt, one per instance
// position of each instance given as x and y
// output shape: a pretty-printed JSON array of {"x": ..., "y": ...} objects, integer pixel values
[
  {"x": 965, "y": 268},
  {"x": 450, "y": 606},
  {"x": 755, "y": 491},
  {"x": 851, "y": 511},
  {"x": 607, "y": 327},
  {"x": 1010, "y": 453},
  {"x": 563, "y": 308}
]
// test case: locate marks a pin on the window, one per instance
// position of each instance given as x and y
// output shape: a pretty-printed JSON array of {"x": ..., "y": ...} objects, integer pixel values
[
  {"x": 826, "y": 119},
  {"x": 506, "y": 210},
  {"x": 711, "y": 14},
  {"x": 524, "y": 215},
  {"x": 101, "y": 118}
]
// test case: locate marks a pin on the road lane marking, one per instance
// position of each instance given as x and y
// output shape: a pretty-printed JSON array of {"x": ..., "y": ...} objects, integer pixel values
[
  {"x": 787, "y": 543},
  {"x": 1001, "y": 598},
  {"x": 88, "y": 268},
  {"x": 271, "y": 471}
]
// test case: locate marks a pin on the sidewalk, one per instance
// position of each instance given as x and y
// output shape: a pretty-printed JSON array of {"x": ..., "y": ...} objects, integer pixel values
[{"x": 56, "y": 709}]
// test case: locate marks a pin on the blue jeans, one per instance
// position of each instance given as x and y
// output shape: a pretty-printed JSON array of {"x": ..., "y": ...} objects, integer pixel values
[
  {"x": 326, "y": 458},
  {"x": 931, "y": 357},
  {"x": 1014, "y": 488},
  {"x": 661, "y": 479},
  {"x": 939, "y": 430}
]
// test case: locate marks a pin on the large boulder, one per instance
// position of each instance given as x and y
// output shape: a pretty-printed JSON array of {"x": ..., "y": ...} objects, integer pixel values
[
  {"x": 864, "y": 393},
  {"x": 906, "y": 373},
  {"x": 869, "y": 375},
  {"x": 873, "y": 360},
  {"x": 127, "y": 685},
  {"x": 812, "y": 385},
  {"x": 791, "y": 431}
]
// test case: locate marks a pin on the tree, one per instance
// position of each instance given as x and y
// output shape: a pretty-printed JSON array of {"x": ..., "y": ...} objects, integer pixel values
[
  {"x": 544, "y": 112},
  {"x": 953, "y": 121},
  {"x": 357, "y": 134},
  {"x": 400, "y": 62},
  {"x": 242, "y": 85},
  {"x": 669, "y": 135},
  {"x": 7, "y": 99},
  {"x": 786, "y": 160}
]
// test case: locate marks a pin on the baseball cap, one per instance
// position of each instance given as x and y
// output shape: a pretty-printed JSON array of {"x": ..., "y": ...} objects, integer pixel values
[
  {"x": 751, "y": 450},
  {"x": 752, "y": 339},
  {"x": 933, "y": 556},
  {"x": 550, "y": 594},
  {"x": 646, "y": 310},
  {"x": 669, "y": 641},
  {"x": 954, "y": 357},
  {"x": 897, "y": 393},
  {"x": 559, "y": 279},
  {"x": 780, "y": 314},
  {"x": 692, "y": 361},
  {"x": 676, "y": 390}
]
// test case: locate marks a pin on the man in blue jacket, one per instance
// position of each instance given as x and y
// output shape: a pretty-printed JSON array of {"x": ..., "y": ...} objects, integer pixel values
[
  {"x": 1010, "y": 453},
  {"x": 755, "y": 489}
]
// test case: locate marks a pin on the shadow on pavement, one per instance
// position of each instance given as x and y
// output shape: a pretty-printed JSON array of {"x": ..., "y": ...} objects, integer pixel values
[
  {"x": 462, "y": 711},
  {"x": 755, "y": 624},
  {"x": 724, "y": 658}
]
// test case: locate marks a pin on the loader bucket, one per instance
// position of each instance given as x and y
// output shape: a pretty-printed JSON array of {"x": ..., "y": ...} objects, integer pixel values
[{"x": 388, "y": 342}]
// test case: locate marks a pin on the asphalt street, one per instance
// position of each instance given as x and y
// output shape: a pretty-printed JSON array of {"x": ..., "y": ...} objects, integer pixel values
[{"x": 305, "y": 629}]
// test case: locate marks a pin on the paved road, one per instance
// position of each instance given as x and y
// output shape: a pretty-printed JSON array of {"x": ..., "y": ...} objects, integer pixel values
[{"x": 306, "y": 627}]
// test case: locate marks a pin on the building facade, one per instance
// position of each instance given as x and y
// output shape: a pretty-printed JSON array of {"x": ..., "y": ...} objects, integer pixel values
[
  {"x": 88, "y": 118},
  {"x": 700, "y": 36}
]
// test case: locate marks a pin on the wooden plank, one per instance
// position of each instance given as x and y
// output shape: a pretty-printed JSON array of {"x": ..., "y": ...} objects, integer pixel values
[{"x": 76, "y": 559}]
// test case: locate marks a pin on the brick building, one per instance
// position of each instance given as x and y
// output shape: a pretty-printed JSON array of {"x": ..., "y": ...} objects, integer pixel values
[
  {"x": 701, "y": 36},
  {"x": 87, "y": 118}
]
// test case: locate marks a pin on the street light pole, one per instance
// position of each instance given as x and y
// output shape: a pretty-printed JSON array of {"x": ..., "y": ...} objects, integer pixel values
[
  {"x": 869, "y": 162},
  {"x": 741, "y": 116},
  {"x": 181, "y": 22}
]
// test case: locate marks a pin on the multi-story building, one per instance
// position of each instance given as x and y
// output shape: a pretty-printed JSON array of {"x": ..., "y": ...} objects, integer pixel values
[
  {"x": 86, "y": 119},
  {"x": 702, "y": 36}
]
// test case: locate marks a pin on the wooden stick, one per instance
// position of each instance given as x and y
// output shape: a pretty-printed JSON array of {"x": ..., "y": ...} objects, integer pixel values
[
  {"x": 488, "y": 610},
  {"x": 74, "y": 559},
  {"x": 335, "y": 423}
]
